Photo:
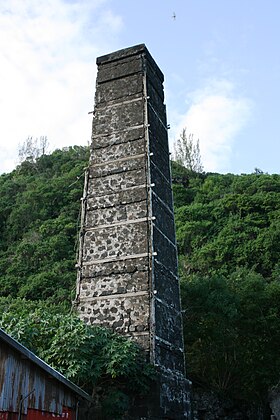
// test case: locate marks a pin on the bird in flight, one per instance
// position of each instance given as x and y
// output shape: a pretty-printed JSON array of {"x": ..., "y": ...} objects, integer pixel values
[{"x": 174, "y": 16}]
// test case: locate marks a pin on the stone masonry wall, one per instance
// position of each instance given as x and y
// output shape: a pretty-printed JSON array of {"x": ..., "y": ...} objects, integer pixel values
[{"x": 127, "y": 268}]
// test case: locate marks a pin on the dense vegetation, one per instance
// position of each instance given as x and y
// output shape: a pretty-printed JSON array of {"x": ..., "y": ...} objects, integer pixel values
[
  {"x": 228, "y": 232},
  {"x": 39, "y": 211}
]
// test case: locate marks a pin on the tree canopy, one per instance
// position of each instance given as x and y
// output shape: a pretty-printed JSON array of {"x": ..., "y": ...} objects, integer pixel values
[
  {"x": 39, "y": 221},
  {"x": 228, "y": 233},
  {"x": 187, "y": 152}
]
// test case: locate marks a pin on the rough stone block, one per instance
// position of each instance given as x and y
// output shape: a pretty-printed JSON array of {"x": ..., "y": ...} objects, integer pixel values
[
  {"x": 114, "y": 284},
  {"x": 116, "y": 214},
  {"x": 128, "y": 134},
  {"x": 175, "y": 395},
  {"x": 168, "y": 399},
  {"x": 116, "y": 167},
  {"x": 155, "y": 100},
  {"x": 155, "y": 78},
  {"x": 159, "y": 157},
  {"x": 124, "y": 315},
  {"x": 119, "y": 89},
  {"x": 118, "y": 117},
  {"x": 143, "y": 340},
  {"x": 162, "y": 188},
  {"x": 109, "y": 268},
  {"x": 120, "y": 198},
  {"x": 115, "y": 241},
  {"x": 168, "y": 323},
  {"x": 118, "y": 69},
  {"x": 164, "y": 219},
  {"x": 117, "y": 182},
  {"x": 167, "y": 356},
  {"x": 166, "y": 285},
  {"x": 166, "y": 252},
  {"x": 158, "y": 130},
  {"x": 118, "y": 151}
]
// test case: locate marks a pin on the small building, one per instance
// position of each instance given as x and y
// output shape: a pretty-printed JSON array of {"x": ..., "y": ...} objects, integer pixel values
[{"x": 31, "y": 390}]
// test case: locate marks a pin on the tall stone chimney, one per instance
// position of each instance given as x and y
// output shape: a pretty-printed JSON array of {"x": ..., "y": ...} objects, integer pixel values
[{"x": 127, "y": 268}]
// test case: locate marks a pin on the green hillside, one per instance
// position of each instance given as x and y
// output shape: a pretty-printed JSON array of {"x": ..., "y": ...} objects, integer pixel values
[
  {"x": 39, "y": 221},
  {"x": 228, "y": 233}
]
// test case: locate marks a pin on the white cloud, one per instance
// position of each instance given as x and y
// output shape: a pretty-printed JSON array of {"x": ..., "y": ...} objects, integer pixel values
[
  {"x": 47, "y": 70},
  {"x": 215, "y": 116}
]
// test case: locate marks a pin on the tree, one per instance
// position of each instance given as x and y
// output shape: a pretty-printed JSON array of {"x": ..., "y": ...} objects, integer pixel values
[
  {"x": 187, "y": 152},
  {"x": 32, "y": 149},
  {"x": 231, "y": 333}
]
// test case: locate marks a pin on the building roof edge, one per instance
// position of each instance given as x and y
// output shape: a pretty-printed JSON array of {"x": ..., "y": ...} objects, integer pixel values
[{"x": 10, "y": 341}]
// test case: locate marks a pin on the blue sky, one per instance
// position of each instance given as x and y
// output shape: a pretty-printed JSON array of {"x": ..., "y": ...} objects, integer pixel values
[{"x": 221, "y": 62}]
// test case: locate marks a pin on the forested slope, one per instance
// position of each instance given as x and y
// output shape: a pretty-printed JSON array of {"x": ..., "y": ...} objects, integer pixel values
[
  {"x": 39, "y": 222},
  {"x": 229, "y": 221},
  {"x": 228, "y": 233}
]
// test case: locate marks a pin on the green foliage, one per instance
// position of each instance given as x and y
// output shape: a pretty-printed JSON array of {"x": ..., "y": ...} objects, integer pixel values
[
  {"x": 39, "y": 218},
  {"x": 232, "y": 332},
  {"x": 32, "y": 148},
  {"x": 104, "y": 363},
  {"x": 228, "y": 232},
  {"x": 229, "y": 221},
  {"x": 187, "y": 152}
]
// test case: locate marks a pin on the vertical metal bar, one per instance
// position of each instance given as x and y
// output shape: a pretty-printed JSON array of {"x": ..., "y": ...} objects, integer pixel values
[
  {"x": 21, "y": 402},
  {"x": 81, "y": 238},
  {"x": 150, "y": 213},
  {"x": 77, "y": 410}
]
